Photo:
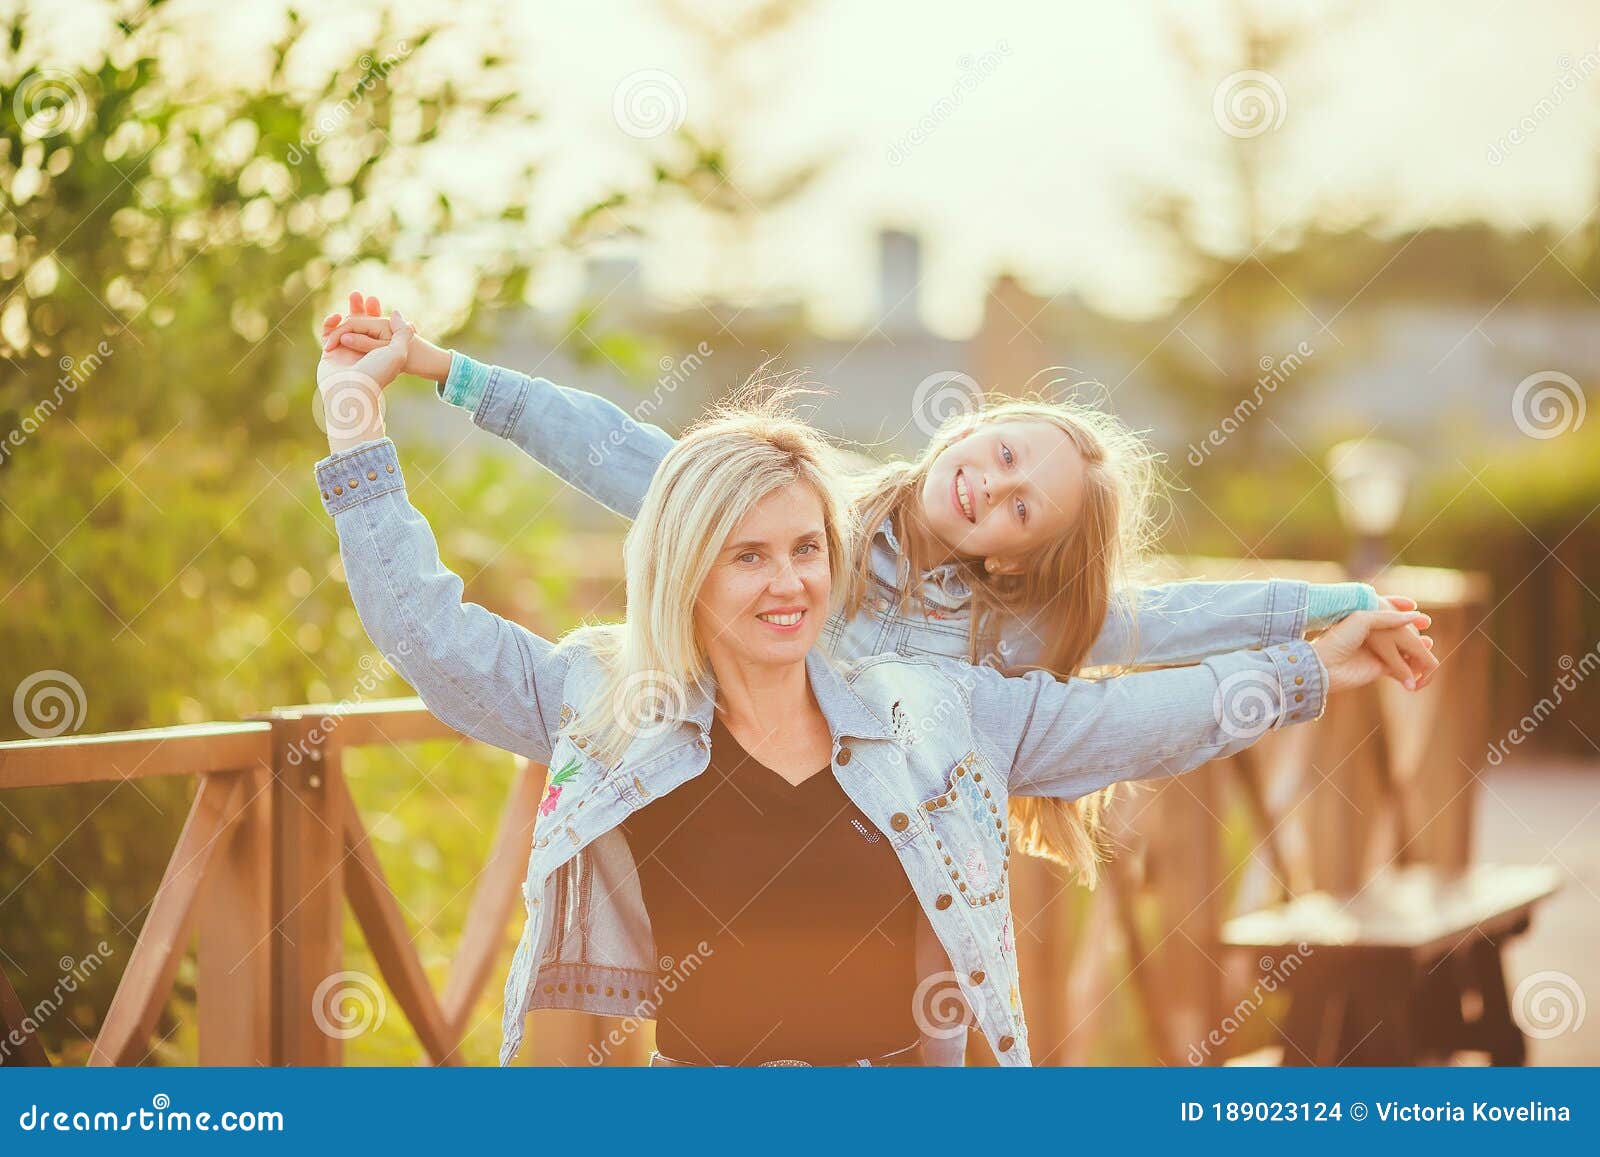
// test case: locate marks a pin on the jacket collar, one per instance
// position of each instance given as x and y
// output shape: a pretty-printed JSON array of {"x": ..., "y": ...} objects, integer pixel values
[{"x": 846, "y": 712}]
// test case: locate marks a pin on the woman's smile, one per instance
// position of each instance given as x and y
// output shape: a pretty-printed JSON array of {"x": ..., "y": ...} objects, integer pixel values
[{"x": 784, "y": 619}]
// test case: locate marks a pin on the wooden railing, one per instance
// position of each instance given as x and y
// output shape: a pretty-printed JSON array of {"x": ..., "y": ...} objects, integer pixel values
[{"x": 274, "y": 845}]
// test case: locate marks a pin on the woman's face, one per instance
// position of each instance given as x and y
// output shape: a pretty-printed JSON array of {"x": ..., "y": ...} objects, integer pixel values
[
  {"x": 1003, "y": 490},
  {"x": 766, "y": 598}
]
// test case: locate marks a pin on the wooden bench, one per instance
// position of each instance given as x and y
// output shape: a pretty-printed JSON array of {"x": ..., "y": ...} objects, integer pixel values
[{"x": 1404, "y": 970}]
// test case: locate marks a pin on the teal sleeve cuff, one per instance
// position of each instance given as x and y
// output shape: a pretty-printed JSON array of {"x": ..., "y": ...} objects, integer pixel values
[
  {"x": 1327, "y": 603},
  {"x": 465, "y": 383}
]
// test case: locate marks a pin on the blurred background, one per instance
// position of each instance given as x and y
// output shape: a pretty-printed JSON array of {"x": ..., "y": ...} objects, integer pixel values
[{"x": 1257, "y": 231}]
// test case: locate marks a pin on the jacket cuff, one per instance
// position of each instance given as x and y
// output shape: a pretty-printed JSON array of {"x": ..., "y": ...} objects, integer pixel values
[
  {"x": 354, "y": 476},
  {"x": 1330, "y": 602},
  {"x": 465, "y": 383},
  {"x": 1303, "y": 681},
  {"x": 1252, "y": 699}
]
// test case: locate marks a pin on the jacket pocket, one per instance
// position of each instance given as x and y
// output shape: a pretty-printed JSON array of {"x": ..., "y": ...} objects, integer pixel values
[{"x": 969, "y": 827}]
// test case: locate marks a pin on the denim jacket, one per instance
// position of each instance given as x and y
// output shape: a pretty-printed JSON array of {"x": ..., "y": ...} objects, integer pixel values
[
  {"x": 929, "y": 749},
  {"x": 611, "y": 457}
]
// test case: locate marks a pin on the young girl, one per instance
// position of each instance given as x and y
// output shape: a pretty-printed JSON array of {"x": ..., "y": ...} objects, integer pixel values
[{"x": 1021, "y": 523}]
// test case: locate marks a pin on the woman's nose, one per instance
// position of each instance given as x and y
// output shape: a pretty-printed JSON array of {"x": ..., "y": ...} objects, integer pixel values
[{"x": 786, "y": 578}]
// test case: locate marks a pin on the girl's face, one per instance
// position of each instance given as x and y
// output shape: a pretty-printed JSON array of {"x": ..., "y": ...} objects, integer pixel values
[
  {"x": 1003, "y": 490},
  {"x": 766, "y": 598}
]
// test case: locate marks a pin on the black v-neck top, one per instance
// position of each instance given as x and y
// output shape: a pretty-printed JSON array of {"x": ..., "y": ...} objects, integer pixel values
[{"x": 807, "y": 916}]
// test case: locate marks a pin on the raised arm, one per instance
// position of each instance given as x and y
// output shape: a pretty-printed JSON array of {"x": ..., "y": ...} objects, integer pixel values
[
  {"x": 581, "y": 438},
  {"x": 483, "y": 675},
  {"x": 1184, "y": 622},
  {"x": 1067, "y": 738}
]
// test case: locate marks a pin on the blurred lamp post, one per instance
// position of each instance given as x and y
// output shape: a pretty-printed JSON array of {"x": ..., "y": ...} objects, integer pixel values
[{"x": 1370, "y": 477}]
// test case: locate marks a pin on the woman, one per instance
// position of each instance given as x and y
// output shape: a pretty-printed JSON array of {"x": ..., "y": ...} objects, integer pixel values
[
  {"x": 1022, "y": 522},
  {"x": 885, "y": 782}
]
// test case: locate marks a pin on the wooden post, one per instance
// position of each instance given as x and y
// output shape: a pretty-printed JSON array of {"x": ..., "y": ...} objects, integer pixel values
[
  {"x": 308, "y": 886},
  {"x": 1187, "y": 878},
  {"x": 234, "y": 953}
]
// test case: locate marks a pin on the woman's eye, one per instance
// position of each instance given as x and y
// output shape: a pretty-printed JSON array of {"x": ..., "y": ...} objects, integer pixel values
[
  {"x": 1022, "y": 511},
  {"x": 1005, "y": 454},
  {"x": 749, "y": 556},
  {"x": 808, "y": 547}
]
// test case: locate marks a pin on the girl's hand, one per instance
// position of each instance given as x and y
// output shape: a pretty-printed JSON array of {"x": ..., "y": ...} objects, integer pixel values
[
  {"x": 365, "y": 330},
  {"x": 352, "y": 392},
  {"x": 1367, "y": 645},
  {"x": 1416, "y": 664}
]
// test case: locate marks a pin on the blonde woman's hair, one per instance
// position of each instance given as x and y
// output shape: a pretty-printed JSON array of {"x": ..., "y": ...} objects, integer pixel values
[
  {"x": 746, "y": 448},
  {"x": 1064, "y": 592}
]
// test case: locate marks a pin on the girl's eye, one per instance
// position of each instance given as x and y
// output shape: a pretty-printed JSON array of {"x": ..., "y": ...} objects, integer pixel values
[
  {"x": 749, "y": 556},
  {"x": 1022, "y": 511},
  {"x": 1006, "y": 455},
  {"x": 809, "y": 547}
]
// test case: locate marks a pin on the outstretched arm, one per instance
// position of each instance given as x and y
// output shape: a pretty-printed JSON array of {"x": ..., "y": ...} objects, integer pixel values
[
  {"x": 1067, "y": 738},
  {"x": 580, "y": 437},
  {"x": 1185, "y": 622}
]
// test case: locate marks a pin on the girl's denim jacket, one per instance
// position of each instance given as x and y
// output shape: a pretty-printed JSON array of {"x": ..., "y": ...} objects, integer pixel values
[
  {"x": 610, "y": 456},
  {"x": 928, "y": 748}
]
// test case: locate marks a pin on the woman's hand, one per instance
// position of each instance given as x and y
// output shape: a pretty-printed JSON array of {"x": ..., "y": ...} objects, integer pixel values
[
  {"x": 366, "y": 330},
  {"x": 351, "y": 387},
  {"x": 1367, "y": 645}
]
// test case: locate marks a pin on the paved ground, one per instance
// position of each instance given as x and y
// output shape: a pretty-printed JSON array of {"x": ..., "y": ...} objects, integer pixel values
[{"x": 1549, "y": 813}]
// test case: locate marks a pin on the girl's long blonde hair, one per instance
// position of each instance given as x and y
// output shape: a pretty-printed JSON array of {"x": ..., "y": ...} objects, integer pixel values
[
  {"x": 1064, "y": 593},
  {"x": 720, "y": 469}
]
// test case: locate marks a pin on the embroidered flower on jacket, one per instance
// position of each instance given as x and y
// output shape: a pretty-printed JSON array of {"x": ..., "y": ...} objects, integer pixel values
[
  {"x": 552, "y": 788},
  {"x": 977, "y": 869},
  {"x": 1007, "y": 944}
]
